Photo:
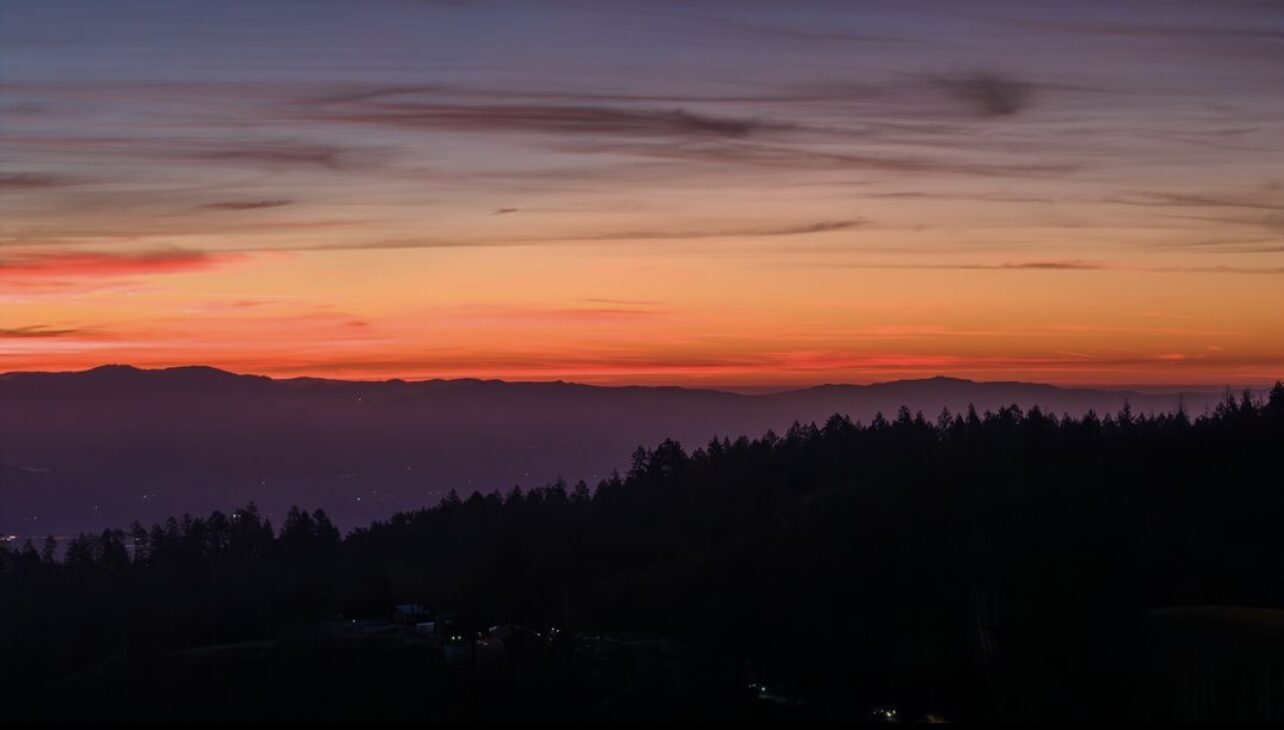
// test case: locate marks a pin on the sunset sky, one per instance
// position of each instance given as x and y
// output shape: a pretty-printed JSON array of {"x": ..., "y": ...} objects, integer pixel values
[{"x": 693, "y": 193}]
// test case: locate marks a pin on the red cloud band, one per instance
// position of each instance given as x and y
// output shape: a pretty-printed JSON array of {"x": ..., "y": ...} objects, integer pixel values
[{"x": 82, "y": 264}]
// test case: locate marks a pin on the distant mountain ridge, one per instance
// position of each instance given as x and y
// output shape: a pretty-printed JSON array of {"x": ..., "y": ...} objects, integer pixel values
[
  {"x": 104, "y": 446},
  {"x": 116, "y": 374}
]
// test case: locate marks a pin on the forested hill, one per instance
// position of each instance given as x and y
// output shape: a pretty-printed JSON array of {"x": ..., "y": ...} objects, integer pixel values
[
  {"x": 989, "y": 566},
  {"x": 93, "y": 449}
]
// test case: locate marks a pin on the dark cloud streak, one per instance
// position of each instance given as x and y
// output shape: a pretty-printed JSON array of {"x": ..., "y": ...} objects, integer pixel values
[
  {"x": 37, "y": 331},
  {"x": 1075, "y": 265},
  {"x": 1174, "y": 200},
  {"x": 548, "y": 119},
  {"x": 775, "y": 156},
  {"x": 33, "y": 181},
  {"x": 636, "y": 235},
  {"x": 235, "y": 205},
  {"x": 988, "y": 94}
]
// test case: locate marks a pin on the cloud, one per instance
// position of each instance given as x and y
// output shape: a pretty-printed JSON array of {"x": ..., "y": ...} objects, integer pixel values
[
  {"x": 978, "y": 197},
  {"x": 1269, "y": 201},
  {"x": 286, "y": 154},
  {"x": 33, "y": 181},
  {"x": 107, "y": 231},
  {"x": 680, "y": 129},
  {"x": 1261, "y": 207},
  {"x": 1076, "y": 265},
  {"x": 797, "y": 230},
  {"x": 634, "y": 235},
  {"x": 271, "y": 154},
  {"x": 1223, "y": 269},
  {"x": 357, "y": 94},
  {"x": 247, "y": 204},
  {"x": 1202, "y": 31},
  {"x": 1269, "y": 221},
  {"x": 988, "y": 94},
  {"x": 549, "y": 110},
  {"x": 37, "y": 330},
  {"x": 513, "y": 315},
  {"x": 623, "y": 302},
  {"x": 1231, "y": 245},
  {"x": 1054, "y": 265},
  {"x": 547, "y": 119},
  {"x": 775, "y": 156},
  {"x": 226, "y": 305},
  {"x": 94, "y": 264}
]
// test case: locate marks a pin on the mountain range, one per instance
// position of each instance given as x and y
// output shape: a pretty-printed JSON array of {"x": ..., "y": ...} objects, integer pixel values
[{"x": 103, "y": 447}]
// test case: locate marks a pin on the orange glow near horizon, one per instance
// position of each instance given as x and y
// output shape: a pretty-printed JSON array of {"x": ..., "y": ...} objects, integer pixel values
[{"x": 683, "y": 320}]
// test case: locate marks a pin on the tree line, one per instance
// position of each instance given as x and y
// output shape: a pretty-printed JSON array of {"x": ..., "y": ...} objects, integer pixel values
[{"x": 995, "y": 565}]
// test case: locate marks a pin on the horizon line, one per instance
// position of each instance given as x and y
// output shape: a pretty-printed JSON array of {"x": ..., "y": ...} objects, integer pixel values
[{"x": 748, "y": 390}]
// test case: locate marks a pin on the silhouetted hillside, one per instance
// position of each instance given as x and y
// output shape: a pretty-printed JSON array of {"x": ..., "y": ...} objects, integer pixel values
[
  {"x": 1007, "y": 566},
  {"x": 89, "y": 449}
]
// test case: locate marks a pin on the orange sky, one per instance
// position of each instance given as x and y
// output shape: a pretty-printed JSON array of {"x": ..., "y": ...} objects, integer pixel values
[{"x": 701, "y": 204}]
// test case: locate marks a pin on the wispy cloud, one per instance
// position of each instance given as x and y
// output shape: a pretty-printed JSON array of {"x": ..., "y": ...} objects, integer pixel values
[
  {"x": 514, "y": 315},
  {"x": 546, "y": 119},
  {"x": 1074, "y": 265},
  {"x": 33, "y": 181},
  {"x": 802, "y": 158},
  {"x": 271, "y": 154},
  {"x": 1266, "y": 199},
  {"x": 235, "y": 205},
  {"x": 988, "y": 94},
  {"x": 1201, "y": 31},
  {"x": 1053, "y": 265},
  {"x": 1229, "y": 244},
  {"x": 769, "y": 232},
  {"x": 94, "y": 264},
  {"x": 802, "y": 229},
  {"x": 38, "y": 331},
  {"x": 233, "y": 149}
]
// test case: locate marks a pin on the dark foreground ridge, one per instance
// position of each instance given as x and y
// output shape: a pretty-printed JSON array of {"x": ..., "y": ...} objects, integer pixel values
[{"x": 1006, "y": 566}]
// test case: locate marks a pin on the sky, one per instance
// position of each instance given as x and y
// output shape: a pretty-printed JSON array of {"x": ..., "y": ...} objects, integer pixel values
[{"x": 745, "y": 193}]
